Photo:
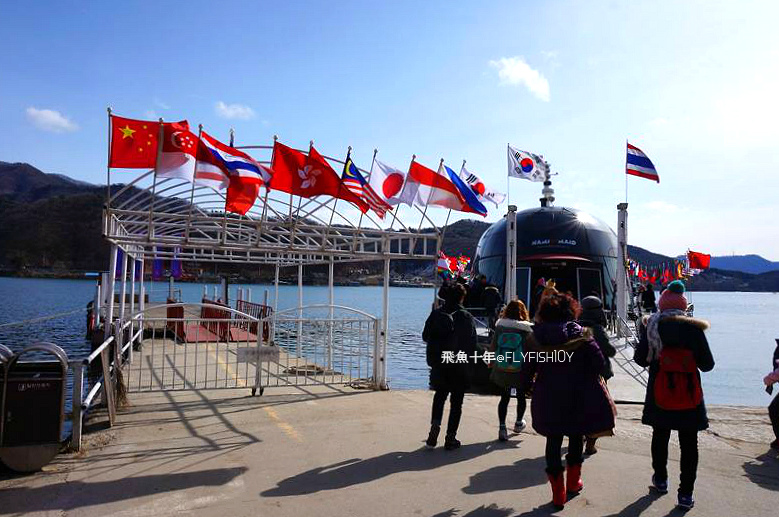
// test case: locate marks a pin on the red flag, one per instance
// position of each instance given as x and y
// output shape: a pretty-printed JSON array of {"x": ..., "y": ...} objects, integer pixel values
[
  {"x": 133, "y": 143},
  {"x": 308, "y": 176},
  {"x": 698, "y": 260}
]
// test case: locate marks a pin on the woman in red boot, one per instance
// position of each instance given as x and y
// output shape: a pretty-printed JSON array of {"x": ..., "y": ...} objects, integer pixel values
[{"x": 569, "y": 398}]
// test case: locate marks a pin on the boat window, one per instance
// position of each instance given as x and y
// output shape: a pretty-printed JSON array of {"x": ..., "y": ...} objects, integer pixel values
[{"x": 494, "y": 268}]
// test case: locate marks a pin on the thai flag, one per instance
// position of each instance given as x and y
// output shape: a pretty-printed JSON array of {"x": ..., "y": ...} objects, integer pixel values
[
  {"x": 234, "y": 163},
  {"x": 241, "y": 173},
  {"x": 638, "y": 164}
]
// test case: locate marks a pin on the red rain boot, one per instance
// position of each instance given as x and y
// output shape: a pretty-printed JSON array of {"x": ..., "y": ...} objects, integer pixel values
[
  {"x": 558, "y": 489},
  {"x": 573, "y": 482}
]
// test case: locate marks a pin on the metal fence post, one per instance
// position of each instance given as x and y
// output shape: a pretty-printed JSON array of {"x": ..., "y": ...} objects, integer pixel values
[
  {"x": 77, "y": 412},
  {"x": 377, "y": 380}
]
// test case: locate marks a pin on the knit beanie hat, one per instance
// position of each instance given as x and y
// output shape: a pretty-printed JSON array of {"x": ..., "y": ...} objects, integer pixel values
[{"x": 673, "y": 297}]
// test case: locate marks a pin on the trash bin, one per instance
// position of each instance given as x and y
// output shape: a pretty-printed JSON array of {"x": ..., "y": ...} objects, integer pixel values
[
  {"x": 5, "y": 356},
  {"x": 33, "y": 407}
]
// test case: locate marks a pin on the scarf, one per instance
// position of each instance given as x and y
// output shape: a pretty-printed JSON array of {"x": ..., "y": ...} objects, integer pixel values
[{"x": 653, "y": 332}]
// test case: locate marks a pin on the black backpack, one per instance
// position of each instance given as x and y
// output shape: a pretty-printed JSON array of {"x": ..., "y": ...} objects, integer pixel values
[{"x": 439, "y": 335}]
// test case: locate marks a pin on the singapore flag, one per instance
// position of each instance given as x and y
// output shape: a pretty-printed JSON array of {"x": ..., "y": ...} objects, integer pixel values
[{"x": 179, "y": 151}]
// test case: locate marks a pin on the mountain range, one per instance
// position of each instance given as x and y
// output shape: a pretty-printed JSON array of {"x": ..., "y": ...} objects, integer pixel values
[{"x": 51, "y": 224}]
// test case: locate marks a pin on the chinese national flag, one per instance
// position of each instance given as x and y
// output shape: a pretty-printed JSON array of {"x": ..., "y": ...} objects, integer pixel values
[
  {"x": 133, "y": 143},
  {"x": 698, "y": 260},
  {"x": 308, "y": 176}
]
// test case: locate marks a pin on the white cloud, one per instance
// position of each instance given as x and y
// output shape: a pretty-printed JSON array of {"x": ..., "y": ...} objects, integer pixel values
[
  {"x": 234, "y": 111},
  {"x": 161, "y": 104},
  {"x": 50, "y": 120},
  {"x": 515, "y": 71}
]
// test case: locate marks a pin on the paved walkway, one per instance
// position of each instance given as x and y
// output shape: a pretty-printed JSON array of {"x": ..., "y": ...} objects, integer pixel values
[{"x": 324, "y": 452}]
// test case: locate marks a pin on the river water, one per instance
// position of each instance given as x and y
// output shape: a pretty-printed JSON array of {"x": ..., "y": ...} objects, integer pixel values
[{"x": 743, "y": 326}]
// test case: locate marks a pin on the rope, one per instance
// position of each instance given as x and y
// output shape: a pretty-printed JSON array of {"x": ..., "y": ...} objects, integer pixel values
[{"x": 42, "y": 318}]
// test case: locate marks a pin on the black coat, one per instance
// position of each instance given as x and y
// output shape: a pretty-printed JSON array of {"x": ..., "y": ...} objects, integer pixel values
[
  {"x": 606, "y": 348},
  {"x": 452, "y": 377},
  {"x": 682, "y": 332}
]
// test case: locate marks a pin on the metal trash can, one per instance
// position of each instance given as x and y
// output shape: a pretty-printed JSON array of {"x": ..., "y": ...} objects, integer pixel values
[{"x": 33, "y": 406}]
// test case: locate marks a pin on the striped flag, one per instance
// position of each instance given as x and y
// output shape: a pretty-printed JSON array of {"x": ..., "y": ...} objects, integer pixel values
[
  {"x": 355, "y": 183},
  {"x": 638, "y": 164}
]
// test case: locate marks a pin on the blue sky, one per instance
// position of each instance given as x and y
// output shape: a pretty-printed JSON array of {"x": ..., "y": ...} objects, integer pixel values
[{"x": 691, "y": 83}]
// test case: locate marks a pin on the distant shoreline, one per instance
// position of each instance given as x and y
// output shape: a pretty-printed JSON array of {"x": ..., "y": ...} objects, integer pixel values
[{"x": 350, "y": 282}]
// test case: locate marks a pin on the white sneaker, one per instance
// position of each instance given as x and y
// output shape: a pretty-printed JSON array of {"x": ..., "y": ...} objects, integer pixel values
[{"x": 520, "y": 426}]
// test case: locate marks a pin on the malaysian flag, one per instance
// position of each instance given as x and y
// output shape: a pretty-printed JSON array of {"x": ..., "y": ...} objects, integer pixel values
[
  {"x": 638, "y": 164},
  {"x": 355, "y": 183}
]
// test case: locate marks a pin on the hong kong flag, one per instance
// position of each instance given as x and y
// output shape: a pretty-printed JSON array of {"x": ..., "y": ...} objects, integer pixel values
[
  {"x": 133, "y": 143},
  {"x": 308, "y": 176}
]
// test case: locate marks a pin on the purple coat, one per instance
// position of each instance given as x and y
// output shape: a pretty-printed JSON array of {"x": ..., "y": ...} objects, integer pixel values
[{"x": 568, "y": 395}]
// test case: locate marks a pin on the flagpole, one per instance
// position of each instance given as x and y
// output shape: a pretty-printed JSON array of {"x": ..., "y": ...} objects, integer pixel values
[
  {"x": 337, "y": 193},
  {"x": 160, "y": 136},
  {"x": 626, "y": 171},
  {"x": 508, "y": 183},
  {"x": 108, "y": 166},
  {"x": 424, "y": 212},
  {"x": 402, "y": 188},
  {"x": 359, "y": 223},
  {"x": 192, "y": 191},
  {"x": 267, "y": 190}
]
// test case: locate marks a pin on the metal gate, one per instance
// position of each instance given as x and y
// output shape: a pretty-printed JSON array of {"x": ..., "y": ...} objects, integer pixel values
[
  {"x": 326, "y": 344},
  {"x": 213, "y": 346},
  {"x": 194, "y": 346}
]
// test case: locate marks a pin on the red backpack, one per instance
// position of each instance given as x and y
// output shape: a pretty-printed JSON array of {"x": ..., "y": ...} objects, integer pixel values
[{"x": 677, "y": 385}]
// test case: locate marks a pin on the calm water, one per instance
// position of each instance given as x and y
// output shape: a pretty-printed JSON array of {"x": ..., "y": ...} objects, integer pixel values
[{"x": 743, "y": 326}]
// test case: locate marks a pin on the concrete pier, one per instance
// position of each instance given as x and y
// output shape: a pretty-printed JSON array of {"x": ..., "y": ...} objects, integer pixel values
[{"x": 336, "y": 451}]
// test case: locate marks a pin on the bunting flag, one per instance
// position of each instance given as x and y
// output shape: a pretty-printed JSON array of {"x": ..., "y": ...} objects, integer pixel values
[
  {"x": 638, "y": 164},
  {"x": 133, "y": 143}
]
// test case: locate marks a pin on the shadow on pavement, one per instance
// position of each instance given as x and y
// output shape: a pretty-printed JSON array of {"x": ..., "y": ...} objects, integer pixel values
[
  {"x": 641, "y": 504},
  {"x": 356, "y": 471},
  {"x": 524, "y": 473},
  {"x": 764, "y": 470},
  {"x": 72, "y": 495},
  {"x": 492, "y": 510}
]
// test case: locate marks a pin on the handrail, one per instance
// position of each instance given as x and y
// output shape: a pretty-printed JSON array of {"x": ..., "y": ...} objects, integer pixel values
[
  {"x": 327, "y": 306},
  {"x": 226, "y": 308},
  {"x": 96, "y": 352}
]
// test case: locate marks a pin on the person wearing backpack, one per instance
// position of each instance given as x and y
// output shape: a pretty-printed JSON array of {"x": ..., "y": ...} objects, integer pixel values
[
  {"x": 569, "y": 397},
  {"x": 512, "y": 331},
  {"x": 448, "y": 331},
  {"x": 593, "y": 319},
  {"x": 674, "y": 347}
]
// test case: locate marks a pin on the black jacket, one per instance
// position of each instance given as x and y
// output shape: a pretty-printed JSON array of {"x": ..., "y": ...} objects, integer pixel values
[
  {"x": 454, "y": 376},
  {"x": 606, "y": 348},
  {"x": 675, "y": 331}
]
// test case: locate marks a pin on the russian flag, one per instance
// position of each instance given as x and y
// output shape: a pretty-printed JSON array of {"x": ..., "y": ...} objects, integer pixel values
[
  {"x": 638, "y": 164},
  {"x": 467, "y": 193}
]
